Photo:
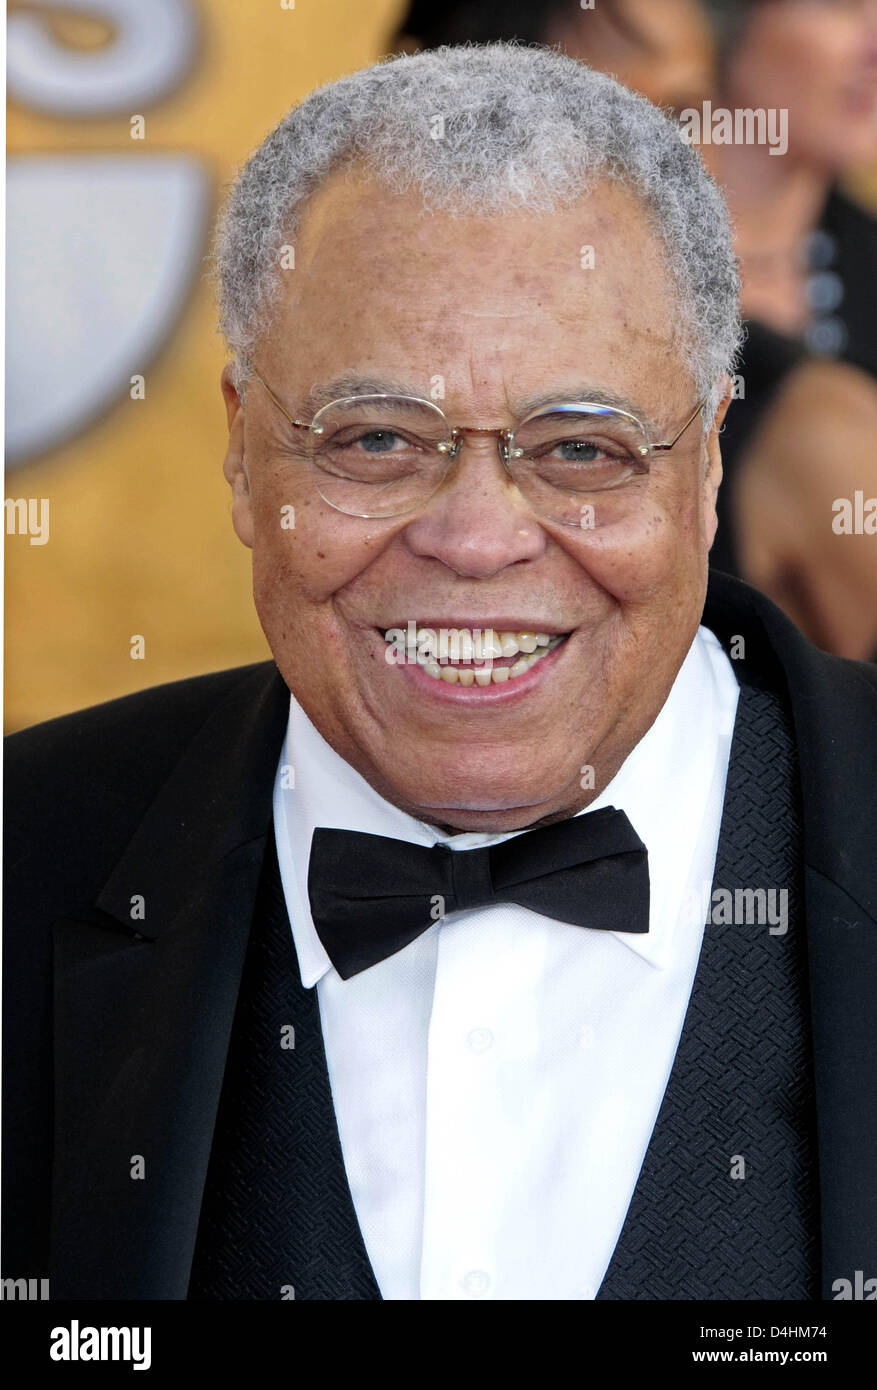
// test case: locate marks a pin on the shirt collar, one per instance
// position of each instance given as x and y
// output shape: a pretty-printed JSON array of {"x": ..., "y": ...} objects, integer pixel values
[{"x": 665, "y": 787}]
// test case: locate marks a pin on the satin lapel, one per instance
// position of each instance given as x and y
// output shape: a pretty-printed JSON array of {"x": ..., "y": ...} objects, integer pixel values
[
  {"x": 144, "y": 1009},
  {"x": 829, "y": 697}
]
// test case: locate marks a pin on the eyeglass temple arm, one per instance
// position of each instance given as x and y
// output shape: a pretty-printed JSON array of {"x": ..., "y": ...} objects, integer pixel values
[
  {"x": 697, "y": 409},
  {"x": 298, "y": 424}
]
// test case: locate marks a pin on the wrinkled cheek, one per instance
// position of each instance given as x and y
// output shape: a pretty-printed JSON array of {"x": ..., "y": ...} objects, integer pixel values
[
  {"x": 633, "y": 561},
  {"x": 276, "y": 596},
  {"x": 297, "y": 549}
]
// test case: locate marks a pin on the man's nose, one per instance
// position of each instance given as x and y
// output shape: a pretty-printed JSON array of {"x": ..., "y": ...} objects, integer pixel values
[{"x": 477, "y": 523}]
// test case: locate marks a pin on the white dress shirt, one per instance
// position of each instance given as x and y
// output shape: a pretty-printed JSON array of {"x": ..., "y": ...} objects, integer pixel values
[{"x": 496, "y": 1082}]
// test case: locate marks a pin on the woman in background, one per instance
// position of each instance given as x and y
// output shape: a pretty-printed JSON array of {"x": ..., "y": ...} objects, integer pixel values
[
  {"x": 808, "y": 252},
  {"x": 661, "y": 48},
  {"x": 808, "y": 260}
]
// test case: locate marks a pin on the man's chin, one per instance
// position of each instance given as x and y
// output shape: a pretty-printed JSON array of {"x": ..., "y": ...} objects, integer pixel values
[
  {"x": 489, "y": 805},
  {"x": 496, "y": 822}
]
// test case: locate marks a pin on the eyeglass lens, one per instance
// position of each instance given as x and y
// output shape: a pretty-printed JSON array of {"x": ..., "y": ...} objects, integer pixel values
[{"x": 383, "y": 456}]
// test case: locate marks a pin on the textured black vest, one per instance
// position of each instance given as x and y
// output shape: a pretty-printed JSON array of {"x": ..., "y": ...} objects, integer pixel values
[{"x": 726, "y": 1205}]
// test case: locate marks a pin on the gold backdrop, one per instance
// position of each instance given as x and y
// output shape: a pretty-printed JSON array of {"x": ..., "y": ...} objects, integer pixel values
[{"x": 140, "y": 532}]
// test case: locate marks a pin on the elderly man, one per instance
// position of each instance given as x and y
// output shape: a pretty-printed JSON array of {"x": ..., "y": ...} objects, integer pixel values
[{"x": 381, "y": 970}]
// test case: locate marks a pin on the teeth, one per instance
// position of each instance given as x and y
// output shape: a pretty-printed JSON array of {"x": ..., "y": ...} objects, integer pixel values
[
  {"x": 464, "y": 644},
  {"x": 464, "y": 641},
  {"x": 487, "y": 646}
]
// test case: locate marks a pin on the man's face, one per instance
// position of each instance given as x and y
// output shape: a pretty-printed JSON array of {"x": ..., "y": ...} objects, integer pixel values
[{"x": 502, "y": 310}]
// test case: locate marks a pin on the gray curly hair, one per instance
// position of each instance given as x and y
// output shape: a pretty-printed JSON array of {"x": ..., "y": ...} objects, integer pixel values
[{"x": 522, "y": 127}]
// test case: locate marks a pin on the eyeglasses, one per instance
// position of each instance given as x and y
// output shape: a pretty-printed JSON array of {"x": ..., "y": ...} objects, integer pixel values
[{"x": 578, "y": 463}]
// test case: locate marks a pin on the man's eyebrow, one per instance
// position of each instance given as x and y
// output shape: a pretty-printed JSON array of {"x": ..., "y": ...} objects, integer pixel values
[
  {"x": 351, "y": 385},
  {"x": 336, "y": 390},
  {"x": 580, "y": 391}
]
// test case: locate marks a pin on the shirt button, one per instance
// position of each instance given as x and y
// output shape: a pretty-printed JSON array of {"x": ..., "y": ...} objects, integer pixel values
[
  {"x": 475, "y": 1283},
  {"x": 479, "y": 1039}
]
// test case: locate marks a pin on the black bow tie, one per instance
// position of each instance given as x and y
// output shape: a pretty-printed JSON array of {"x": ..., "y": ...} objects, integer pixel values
[{"x": 370, "y": 895}]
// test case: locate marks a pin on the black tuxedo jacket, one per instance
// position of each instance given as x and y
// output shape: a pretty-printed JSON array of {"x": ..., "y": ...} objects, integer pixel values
[{"x": 116, "y": 1026}]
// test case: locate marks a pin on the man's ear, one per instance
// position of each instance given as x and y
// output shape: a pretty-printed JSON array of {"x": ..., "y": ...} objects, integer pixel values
[
  {"x": 713, "y": 474},
  {"x": 234, "y": 466}
]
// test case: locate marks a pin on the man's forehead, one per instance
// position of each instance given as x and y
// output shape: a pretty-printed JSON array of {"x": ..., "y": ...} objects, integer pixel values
[
  {"x": 484, "y": 367},
  {"x": 354, "y": 213},
  {"x": 516, "y": 302},
  {"x": 384, "y": 266}
]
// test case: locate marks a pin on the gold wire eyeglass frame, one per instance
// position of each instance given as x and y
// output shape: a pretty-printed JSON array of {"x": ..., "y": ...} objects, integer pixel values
[{"x": 456, "y": 433}]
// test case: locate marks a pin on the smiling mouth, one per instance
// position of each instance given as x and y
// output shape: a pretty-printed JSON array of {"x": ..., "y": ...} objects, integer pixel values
[{"x": 475, "y": 656}]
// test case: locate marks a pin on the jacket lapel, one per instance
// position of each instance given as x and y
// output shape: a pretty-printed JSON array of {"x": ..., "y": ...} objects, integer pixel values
[
  {"x": 832, "y": 703},
  {"x": 144, "y": 1009}
]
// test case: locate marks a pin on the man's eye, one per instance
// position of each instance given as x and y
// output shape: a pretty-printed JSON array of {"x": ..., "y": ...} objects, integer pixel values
[
  {"x": 575, "y": 451},
  {"x": 369, "y": 441},
  {"x": 585, "y": 451},
  {"x": 379, "y": 441}
]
